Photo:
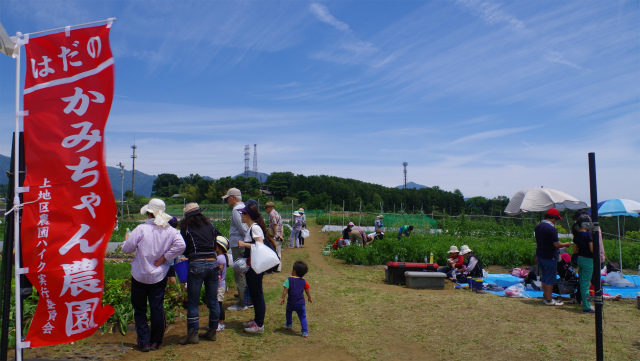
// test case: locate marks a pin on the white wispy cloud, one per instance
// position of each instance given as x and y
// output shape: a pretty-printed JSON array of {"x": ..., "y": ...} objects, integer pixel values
[
  {"x": 491, "y": 134},
  {"x": 323, "y": 14}
]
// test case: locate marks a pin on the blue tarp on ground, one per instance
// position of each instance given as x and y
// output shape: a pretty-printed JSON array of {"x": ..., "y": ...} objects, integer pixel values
[{"x": 506, "y": 280}]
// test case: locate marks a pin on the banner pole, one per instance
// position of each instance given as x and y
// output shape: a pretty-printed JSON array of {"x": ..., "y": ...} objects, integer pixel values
[
  {"x": 16, "y": 210},
  {"x": 110, "y": 20}
]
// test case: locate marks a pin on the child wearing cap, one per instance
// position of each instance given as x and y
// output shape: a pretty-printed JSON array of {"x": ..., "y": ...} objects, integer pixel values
[
  {"x": 222, "y": 247},
  {"x": 295, "y": 287}
]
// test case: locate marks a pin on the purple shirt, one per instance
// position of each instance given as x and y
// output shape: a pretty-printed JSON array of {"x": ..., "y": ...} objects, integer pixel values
[{"x": 151, "y": 243}]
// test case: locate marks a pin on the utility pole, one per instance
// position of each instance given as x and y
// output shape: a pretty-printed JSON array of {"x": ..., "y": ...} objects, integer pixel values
[
  {"x": 121, "y": 190},
  {"x": 255, "y": 161},
  {"x": 133, "y": 172},
  {"x": 405, "y": 164}
]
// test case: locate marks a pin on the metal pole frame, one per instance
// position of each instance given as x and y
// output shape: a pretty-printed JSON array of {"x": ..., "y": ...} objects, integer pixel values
[
  {"x": 17, "y": 205},
  {"x": 597, "y": 285}
]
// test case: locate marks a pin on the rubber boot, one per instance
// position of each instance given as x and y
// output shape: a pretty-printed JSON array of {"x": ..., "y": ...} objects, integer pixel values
[
  {"x": 210, "y": 335},
  {"x": 192, "y": 337}
]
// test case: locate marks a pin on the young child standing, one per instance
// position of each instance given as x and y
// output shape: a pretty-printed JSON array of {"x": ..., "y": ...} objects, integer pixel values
[
  {"x": 222, "y": 246},
  {"x": 296, "y": 287}
]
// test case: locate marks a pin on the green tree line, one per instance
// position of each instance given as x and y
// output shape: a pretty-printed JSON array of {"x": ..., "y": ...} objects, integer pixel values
[{"x": 321, "y": 191}]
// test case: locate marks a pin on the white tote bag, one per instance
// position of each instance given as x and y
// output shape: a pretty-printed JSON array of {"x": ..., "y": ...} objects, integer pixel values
[
  {"x": 262, "y": 257},
  {"x": 304, "y": 233}
]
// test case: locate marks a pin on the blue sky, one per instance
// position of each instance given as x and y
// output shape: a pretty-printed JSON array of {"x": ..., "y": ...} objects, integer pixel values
[{"x": 484, "y": 96}]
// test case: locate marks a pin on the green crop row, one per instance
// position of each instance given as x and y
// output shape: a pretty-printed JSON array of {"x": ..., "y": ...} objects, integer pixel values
[{"x": 505, "y": 251}]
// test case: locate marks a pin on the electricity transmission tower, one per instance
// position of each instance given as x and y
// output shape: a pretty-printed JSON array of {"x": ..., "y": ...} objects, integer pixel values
[{"x": 247, "y": 156}]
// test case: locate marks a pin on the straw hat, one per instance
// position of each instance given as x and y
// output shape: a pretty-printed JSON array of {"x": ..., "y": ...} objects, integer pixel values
[
  {"x": 191, "y": 209},
  {"x": 380, "y": 216},
  {"x": 156, "y": 207},
  {"x": 223, "y": 243},
  {"x": 453, "y": 249},
  {"x": 301, "y": 210},
  {"x": 464, "y": 250}
]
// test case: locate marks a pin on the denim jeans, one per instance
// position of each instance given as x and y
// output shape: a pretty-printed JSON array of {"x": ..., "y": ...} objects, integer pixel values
[
  {"x": 301, "y": 310},
  {"x": 202, "y": 272},
  {"x": 294, "y": 239},
  {"x": 154, "y": 293},
  {"x": 254, "y": 282}
]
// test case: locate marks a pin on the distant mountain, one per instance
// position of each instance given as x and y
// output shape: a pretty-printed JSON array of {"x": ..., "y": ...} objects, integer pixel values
[
  {"x": 144, "y": 182},
  {"x": 411, "y": 185},
  {"x": 143, "y": 185},
  {"x": 262, "y": 177}
]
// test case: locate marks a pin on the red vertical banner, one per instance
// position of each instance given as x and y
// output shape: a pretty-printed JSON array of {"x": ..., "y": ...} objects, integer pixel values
[{"x": 70, "y": 210}]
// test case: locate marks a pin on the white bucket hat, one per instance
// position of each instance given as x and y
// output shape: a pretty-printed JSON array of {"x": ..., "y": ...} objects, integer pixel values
[
  {"x": 156, "y": 207},
  {"x": 453, "y": 249},
  {"x": 464, "y": 250},
  {"x": 296, "y": 213}
]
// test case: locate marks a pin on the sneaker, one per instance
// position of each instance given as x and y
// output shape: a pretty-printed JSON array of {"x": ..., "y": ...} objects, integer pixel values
[
  {"x": 305, "y": 334},
  {"x": 221, "y": 327},
  {"x": 552, "y": 302},
  {"x": 254, "y": 329},
  {"x": 249, "y": 323},
  {"x": 288, "y": 326},
  {"x": 236, "y": 308},
  {"x": 154, "y": 346},
  {"x": 572, "y": 301},
  {"x": 146, "y": 348},
  {"x": 591, "y": 310},
  {"x": 250, "y": 305}
]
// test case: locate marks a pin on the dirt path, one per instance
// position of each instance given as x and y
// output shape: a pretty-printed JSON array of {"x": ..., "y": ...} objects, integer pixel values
[{"x": 355, "y": 316}]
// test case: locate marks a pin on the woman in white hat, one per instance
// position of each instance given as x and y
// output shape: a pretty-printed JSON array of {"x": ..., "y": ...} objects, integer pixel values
[
  {"x": 295, "y": 230},
  {"x": 155, "y": 243},
  {"x": 455, "y": 262},
  {"x": 303, "y": 219},
  {"x": 473, "y": 266}
]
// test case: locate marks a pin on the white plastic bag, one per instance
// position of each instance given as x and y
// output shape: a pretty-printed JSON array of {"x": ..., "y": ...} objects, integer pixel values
[
  {"x": 516, "y": 290},
  {"x": 262, "y": 257},
  {"x": 616, "y": 279},
  {"x": 304, "y": 233}
]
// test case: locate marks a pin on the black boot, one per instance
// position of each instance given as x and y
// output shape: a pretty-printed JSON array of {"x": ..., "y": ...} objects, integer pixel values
[
  {"x": 210, "y": 335},
  {"x": 192, "y": 337}
]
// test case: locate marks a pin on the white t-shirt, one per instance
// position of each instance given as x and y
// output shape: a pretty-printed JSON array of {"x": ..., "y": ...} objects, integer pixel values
[{"x": 255, "y": 232}]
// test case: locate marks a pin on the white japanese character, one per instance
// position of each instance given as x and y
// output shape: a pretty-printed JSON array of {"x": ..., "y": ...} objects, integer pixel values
[
  {"x": 44, "y": 292},
  {"x": 77, "y": 239},
  {"x": 79, "y": 96},
  {"x": 46, "y": 183},
  {"x": 44, "y": 71},
  {"x": 44, "y": 219},
  {"x": 78, "y": 171},
  {"x": 44, "y": 207},
  {"x": 52, "y": 315},
  {"x": 79, "y": 276},
  {"x": 89, "y": 202},
  {"x": 74, "y": 140},
  {"x": 41, "y": 266},
  {"x": 41, "y": 254},
  {"x": 46, "y": 329},
  {"x": 43, "y": 232},
  {"x": 50, "y": 305},
  {"x": 45, "y": 194},
  {"x": 41, "y": 242},
  {"x": 43, "y": 279},
  {"x": 94, "y": 46},
  {"x": 67, "y": 52},
  {"x": 80, "y": 316}
]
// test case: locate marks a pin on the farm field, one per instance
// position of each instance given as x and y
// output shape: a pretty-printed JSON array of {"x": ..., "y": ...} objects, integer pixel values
[{"x": 355, "y": 316}]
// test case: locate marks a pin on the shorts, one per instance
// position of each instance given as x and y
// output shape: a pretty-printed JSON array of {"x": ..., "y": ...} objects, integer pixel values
[
  {"x": 547, "y": 269},
  {"x": 221, "y": 293}
]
